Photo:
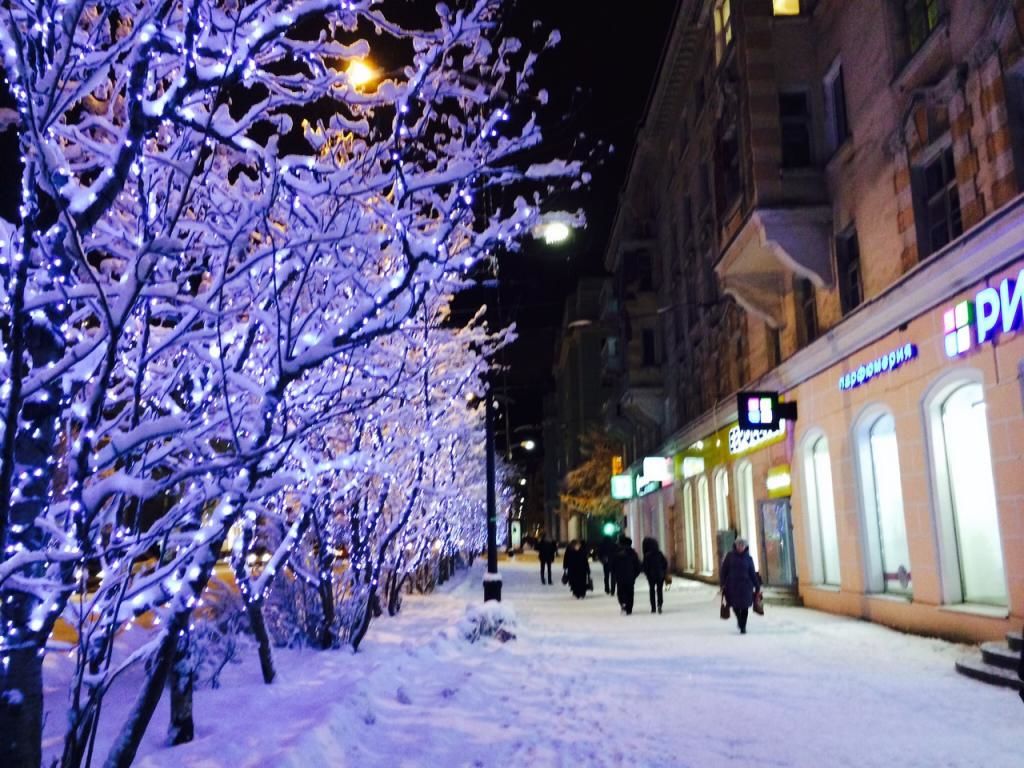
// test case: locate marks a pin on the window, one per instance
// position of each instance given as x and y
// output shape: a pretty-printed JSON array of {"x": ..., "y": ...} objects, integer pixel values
[
  {"x": 939, "y": 203},
  {"x": 837, "y": 128},
  {"x": 645, "y": 271},
  {"x": 691, "y": 548},
  {"x": 745, "y": 502},
  {"x": 650, "y": 350},
  {"x": 821, "y": 513},
  {"x": 707, "y": 545},
  {"x": 851, "y": 292},
  {"x": 807, "y": 309},
  {"x": 888, "y": 554},
  {"x": 723, "y": 29},
  {"x": 968, "y": 519},
  {"x": 727, "y": 166},
  {"x": 922, "y": 16},
  {"x": 774, "y": 344},
  {"x": 786, "y": 7},
  {"x": 795, "y": 123},
  {"x": 722, "y": 499}
]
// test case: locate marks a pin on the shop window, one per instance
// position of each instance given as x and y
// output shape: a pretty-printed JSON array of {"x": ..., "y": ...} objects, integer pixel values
[
  {"x": 885, "y": 528},
  {"x": 807, "y": 310},
  {"x": 821, "y": 512},
  {"x": 795, "y": 125},
  {"x": 745, "y": 507},
  {"x": 786, "y": 7},
  {"x": 968, "y": 519},
  {"x": 837, "y": 129},
  {"x": 937, "y": 203},
  {"x": 848, "y": 275},
  {"x": 723, "y": 28},
  {"x": 921, "y": 18},
  {"x": 722, "y": 499},
  {"x": 707, "y": 539},
  {"x": 691, "y": 544}
]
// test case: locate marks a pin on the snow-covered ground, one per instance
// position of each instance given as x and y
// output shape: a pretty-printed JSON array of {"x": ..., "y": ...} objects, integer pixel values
[{"x": 585, "y": 686}]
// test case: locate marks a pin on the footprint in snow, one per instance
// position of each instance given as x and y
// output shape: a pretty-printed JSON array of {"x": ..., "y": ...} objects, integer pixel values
[
  {"x": 447, "y": 693},
  {"x": 402, "y": 696}
]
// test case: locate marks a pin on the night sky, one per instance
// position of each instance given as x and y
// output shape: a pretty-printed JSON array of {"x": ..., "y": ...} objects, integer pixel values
[{"x": 599, "y": 78}]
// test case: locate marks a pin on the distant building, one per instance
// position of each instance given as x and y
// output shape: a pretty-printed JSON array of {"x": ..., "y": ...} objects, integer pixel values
[
  {"x": 824, "y": 201},
  {"x": 575, "y": 406}
]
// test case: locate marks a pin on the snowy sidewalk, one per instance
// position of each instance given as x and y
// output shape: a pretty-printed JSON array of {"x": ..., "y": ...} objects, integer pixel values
[{"x": 584, "y": 686}]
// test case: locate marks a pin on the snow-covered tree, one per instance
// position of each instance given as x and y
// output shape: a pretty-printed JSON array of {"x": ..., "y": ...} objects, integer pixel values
[{"x": 226, "y": 250}]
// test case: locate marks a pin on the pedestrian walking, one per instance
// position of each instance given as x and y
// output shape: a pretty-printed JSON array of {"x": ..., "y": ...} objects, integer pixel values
[
  {"x": 576, "y": 569},
  {"x": 655, "y": 568},
  {"x": 739, "y": 581},
  {"x": 605, "y": 553},
  {"x": 546, "y": 550},
  {"x": 626, "y": 566}
]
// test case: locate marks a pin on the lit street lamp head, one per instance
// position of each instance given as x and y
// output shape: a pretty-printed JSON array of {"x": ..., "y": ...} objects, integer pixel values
[
  {"x": 360, "y": 73},
  {"x": 529, "y": 444},
  {"x": 555, "y": 232}
]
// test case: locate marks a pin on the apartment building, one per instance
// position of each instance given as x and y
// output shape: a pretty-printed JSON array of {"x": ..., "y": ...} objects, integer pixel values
[{"x": 828, "y": 193}]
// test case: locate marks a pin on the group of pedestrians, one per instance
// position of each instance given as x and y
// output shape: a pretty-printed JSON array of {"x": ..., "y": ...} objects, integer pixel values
[{"x": 740, "y": 583}]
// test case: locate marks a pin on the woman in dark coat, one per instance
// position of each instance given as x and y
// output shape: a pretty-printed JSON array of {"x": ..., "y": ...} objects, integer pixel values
[
  {"x": 655, "y": 568},
  {"x": 739, "y": 582},
  {"x": 577, "y": 569}
]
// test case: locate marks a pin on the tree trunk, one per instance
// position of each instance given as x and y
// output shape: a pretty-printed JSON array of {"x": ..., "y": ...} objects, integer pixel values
[
  {"x": 182, "y": 729},
  {"x": 259, "y": 628},
  {"x": 122, "y": 753},
  {"x": 21, "y": 709},
  {"x": 327, "y": 606}
]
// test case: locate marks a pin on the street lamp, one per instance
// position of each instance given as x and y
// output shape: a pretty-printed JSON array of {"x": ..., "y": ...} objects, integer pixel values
[
  {"x": 492, "y": 579},
  {"x": 529, "y": 445},
  {"x": 555, "y": 232},
  {"x": 360, "y": 73}
]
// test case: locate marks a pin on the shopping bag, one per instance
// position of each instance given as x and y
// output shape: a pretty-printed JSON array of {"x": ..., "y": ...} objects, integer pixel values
[
  {"x": 565, "y": 577},
  {"x": 758, "y": 604},
  {"x": 590, "y": 584},
  {"x": 723, "y": 611},
  {"x": 668, "y": 579}
]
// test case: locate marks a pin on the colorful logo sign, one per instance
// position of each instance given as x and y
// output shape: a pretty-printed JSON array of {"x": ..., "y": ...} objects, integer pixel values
[
  {"x": 622, "y": 487},
  {"x": 991, "y": 312},
  {"x": 745, "y": 440},
  {"x": 878, "y": 366}
]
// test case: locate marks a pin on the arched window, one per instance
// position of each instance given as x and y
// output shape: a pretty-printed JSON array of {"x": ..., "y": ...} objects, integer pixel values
[
  {"x": 691, "y": 548},
  {"x": 745, "y": 507},
  {"x": 967, "y": 517},
  {"x": 885, "y": 527},
  {"x": 821, "y": 512},
  {"x": 722, "y": 499},
  {"x": 707, "y": 546}
]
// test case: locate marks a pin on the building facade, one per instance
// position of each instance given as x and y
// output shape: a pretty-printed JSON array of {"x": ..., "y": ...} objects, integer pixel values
[{"x": 832, "y": 191}]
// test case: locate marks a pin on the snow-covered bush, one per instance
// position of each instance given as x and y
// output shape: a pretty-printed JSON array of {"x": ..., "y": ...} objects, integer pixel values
[
  {"x": 221, "y": 635},
  {"x": 490, "y": 619}
]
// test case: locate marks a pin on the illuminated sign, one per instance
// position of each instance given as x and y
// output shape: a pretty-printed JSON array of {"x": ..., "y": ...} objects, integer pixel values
[
  {"x": 878, "y": 366},
  {"x": 645, "y": 486},
  {"x": 745, "y": 440},
  {"x": 622, "y": 487},
  {"x": 763, "y": 410},
  {"x": 991, "y": 312},
  {"x": 779, "y": 482},
  {"x": 692, "y": 465},
  {"x": 657, "y": 468}
]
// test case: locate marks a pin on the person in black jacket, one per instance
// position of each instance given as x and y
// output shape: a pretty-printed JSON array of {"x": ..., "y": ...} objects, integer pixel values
[
  {"x": 577, "y": 568},
  {"x": 605, "y": 553},
  {"x": 546, "y": 550},
  {"x": 655, "y": 568},
  {"x": 626, "y": 566},
  {"x": 739, "y": 582}
]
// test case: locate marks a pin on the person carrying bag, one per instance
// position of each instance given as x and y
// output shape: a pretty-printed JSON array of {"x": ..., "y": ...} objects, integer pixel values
[{"x": 741, "y": 584}]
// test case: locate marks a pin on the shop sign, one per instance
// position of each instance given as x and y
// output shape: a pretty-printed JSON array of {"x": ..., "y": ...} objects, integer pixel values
[
  {"x": 992, "y": 311},
  {"x": 692, "y": 466},
  {"x": 657, "y": 468},
  {"x": 617, "y": 467},
  {"x": 779, "y": 482},
  {"x": 877, "y": 367},
  {"x": 622, "y": 487},
  {"x": 645, "y": 487},
  {"x": 745, "y": 440}
]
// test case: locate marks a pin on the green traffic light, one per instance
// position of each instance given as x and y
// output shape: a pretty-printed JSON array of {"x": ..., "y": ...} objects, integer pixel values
[{"x": 610, "y": 529}]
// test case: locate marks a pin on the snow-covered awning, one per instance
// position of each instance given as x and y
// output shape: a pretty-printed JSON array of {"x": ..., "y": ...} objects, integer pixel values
[{"x": 774, "y": 245}]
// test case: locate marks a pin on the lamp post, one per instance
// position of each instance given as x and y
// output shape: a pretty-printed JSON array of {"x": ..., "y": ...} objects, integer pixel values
[{"x": 492, "y": 579}]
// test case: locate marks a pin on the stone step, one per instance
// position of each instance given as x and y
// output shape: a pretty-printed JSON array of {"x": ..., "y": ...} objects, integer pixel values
[
  {"x": 1000, "y": 655},
  {"x": 774, "y": 596},
  {"x": 1014, "y": 641},
  {"x": 974, "y": 667}
]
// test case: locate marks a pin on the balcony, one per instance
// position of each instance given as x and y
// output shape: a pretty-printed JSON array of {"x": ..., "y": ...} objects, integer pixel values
[{"x": 773, "y": 246}]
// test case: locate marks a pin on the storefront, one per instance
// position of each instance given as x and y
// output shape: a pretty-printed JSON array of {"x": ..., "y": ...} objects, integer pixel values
[{"x": 909, "y": 489}]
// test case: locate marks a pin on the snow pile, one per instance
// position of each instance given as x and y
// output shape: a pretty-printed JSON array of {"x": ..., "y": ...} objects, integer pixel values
[{"x": 492, "y": 619}]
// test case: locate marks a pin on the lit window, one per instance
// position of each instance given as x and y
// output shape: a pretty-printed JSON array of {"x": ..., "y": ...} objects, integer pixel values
[
  {"x": 786, "y": 7},
  {"x": 723, "y": 28},
  {"x": 821, "y": 513}
]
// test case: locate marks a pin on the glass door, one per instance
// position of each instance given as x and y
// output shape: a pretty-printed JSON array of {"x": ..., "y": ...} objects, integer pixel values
[{"x": 778, "y": 569}]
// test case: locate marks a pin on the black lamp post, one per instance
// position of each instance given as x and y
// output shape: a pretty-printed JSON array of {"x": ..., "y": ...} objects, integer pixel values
[{"x": 492, "y": 579}]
